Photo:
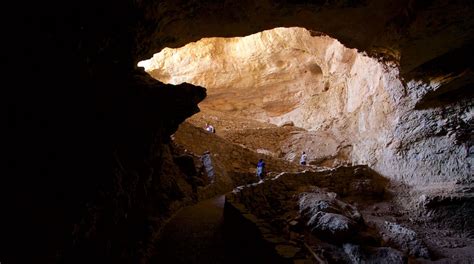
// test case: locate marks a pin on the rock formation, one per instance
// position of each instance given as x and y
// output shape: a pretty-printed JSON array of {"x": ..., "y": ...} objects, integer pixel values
[
  {"x": 355, "y": 104},
  {"x": 91, "y": 171}
]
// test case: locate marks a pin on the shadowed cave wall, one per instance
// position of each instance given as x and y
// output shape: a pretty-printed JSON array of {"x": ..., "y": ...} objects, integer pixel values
[{"x": 91, "y": 173}]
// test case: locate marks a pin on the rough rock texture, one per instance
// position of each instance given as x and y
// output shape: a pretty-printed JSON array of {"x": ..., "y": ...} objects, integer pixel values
[
  {"x": 405, "y": 239},
  {"x": 234, "y": 165},
  {"x": 278, "y": 194},
  {"x": 290, "y": 210},
  {"x": 357, "y": 108},
  {"x": 283, "y": 142},
  {"x": 363, "y": 226},
  {"x": 329, "y": 217},
  {"x": 278, "y": 75},
  {"x": 374, "y": 255},
  {"x": 419, "y": 35},
  {"x": 88, "y": 133}
]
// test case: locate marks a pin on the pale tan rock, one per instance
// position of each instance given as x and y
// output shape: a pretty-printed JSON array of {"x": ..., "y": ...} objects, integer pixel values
[{"x": 355, "y": 109}]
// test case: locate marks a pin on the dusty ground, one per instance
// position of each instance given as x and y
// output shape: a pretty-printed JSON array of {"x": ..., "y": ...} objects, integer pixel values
[
  {"x": 233, "y": 164},
  {"x": 324, "y": 148}
]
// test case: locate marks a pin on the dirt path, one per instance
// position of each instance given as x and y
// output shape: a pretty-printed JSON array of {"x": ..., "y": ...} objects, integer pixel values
[{"x": 196, "y": 235}]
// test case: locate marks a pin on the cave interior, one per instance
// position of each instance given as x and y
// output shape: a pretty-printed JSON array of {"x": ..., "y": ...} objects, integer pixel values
[{"x": 107, "y": 149}]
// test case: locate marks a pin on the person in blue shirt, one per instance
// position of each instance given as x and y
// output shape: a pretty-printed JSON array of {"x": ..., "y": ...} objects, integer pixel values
[{"x": 260, "y": 169}]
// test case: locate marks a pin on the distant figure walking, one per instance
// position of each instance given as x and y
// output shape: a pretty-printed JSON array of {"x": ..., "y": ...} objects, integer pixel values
[
  {"x": 206, "y": 161},
  {"x": 260, "y": 169},
  {"x": 209, "y": 128},
  {"x": 303, "y": 158}
]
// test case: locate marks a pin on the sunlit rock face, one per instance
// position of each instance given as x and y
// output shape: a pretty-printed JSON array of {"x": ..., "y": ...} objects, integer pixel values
[
  {"x": 277, "y": 75},
  {"x": 287, "y": 74}
]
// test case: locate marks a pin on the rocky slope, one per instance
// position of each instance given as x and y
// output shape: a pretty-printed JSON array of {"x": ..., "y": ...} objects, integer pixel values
[
  {"x": 350, "y": 215},
  {"x": 288, "y": 142},
  {"x": 233, "y": 164}
]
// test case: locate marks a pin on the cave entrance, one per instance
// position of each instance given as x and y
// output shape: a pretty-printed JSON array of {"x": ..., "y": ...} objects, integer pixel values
[
  {"x": 280, "y": 92},
  {"x": 273, "y": 95}
]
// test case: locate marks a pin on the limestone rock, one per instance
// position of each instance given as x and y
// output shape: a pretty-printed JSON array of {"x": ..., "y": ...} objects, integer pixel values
[
  {"x": 328, "y": 217},
  {"x": 92, "y": 134},
  {"x": 405, "y": 239},
  {"x": 356, "y": 109},
  {"x": 374, "y": 255}
]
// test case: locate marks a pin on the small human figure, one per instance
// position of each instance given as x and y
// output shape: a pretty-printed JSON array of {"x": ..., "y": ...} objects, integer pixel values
[
  {"x": 303, "y": 158},
  {"x": 260, "y": 169},
  {"x": 207, "y": 163},
  {"x": 209, "y": 128}
]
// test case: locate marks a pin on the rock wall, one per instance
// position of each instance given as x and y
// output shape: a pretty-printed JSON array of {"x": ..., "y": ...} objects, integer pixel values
[
  {"x": 88, "y": 132},
  {"x": 356, "y": 108},
  {"x": 431, "y": 145},
  {"x": 418, "y": 35},
  {"x": 427, "y": 41}
]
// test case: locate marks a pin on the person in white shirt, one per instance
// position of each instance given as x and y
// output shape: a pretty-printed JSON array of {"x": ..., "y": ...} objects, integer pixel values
[
  {"x": 303, "y": 158},
  {"x": 210, "y": 128}
]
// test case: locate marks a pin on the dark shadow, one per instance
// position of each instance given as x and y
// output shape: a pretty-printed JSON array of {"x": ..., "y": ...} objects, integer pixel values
[
  {"x": 244, "y": 241},
  {"x": 450, "y": 93},
  {"x": 456, "y": 64}
]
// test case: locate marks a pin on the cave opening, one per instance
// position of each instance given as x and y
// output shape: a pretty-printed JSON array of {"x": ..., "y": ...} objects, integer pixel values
[
  {"x": 95, "y": 177},
  {"x": 283, "y": 91},
  {"x": 274, "y": 95}
]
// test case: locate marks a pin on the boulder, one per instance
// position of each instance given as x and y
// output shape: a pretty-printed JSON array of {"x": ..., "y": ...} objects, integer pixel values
[
  {"x": 328, "y": 217},
  {"x": 357, "y": 254},
  {"x": 405, "y": 239}
]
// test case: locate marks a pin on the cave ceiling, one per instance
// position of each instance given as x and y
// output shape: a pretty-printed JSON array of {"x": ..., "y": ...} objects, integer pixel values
[{"x": 422, "y": 37}]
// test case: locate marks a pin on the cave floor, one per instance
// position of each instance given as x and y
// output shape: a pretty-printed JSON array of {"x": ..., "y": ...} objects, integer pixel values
[
  {"x": 199, "y": 234},
  {"x": 196, "y": 234}
]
